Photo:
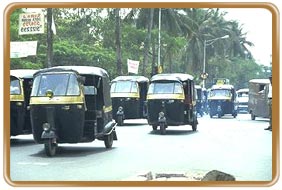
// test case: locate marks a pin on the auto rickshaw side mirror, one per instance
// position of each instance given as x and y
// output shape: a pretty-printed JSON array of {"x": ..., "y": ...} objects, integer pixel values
[{"x": 81, "y": 79}]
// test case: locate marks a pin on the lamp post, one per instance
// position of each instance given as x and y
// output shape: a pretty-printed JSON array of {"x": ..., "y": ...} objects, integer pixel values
[
  {"x": 159, "y": 39},
  {"x": 204, "y": 75}
]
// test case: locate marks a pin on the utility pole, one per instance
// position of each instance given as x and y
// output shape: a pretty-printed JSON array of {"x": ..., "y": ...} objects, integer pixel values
[{"x": 49, "y": 38}]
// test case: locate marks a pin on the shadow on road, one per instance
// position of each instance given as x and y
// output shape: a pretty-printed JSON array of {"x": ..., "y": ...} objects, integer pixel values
[
  {"x": 21, "y": 142},
  {"x": 69, "y": 151},
  {"x": 223, "y": 117},
  {"x": 173, "y": 132}
]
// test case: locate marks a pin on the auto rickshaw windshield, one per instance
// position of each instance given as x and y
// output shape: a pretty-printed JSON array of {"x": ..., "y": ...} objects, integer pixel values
[
  {"x": 124, "y": 87},
  {"x": 61, "y": 84},
  {"x": 220, "y": 92},
  {"x": 15, "y": 87},
  {"x": 165, "y": 88}
]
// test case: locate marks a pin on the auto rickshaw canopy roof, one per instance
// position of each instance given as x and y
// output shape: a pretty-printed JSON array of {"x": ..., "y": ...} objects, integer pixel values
[
  {"x": 198, "y": 87},
  {"x": 242, "y": 90},
  {"x": 131, "y": 78},
  {"x": 23, "y": 73},
  {"x": 82, "y": 70},
  {"x": 260, "y": 81},
  {"x": 222, "y": 86},
  {"x": 172, "y": 77}
]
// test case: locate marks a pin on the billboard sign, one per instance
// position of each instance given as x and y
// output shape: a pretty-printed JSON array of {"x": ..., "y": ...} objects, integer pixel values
[{"x": 31, "y": 23}]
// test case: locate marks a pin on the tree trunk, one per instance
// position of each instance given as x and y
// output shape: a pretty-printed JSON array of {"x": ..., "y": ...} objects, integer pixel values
[
  {"x": 49, "y": 38},
  {"x": 153, "y": 60},
  {"x": 118, "y": 42},
  {"x": 148, "y": 41}
]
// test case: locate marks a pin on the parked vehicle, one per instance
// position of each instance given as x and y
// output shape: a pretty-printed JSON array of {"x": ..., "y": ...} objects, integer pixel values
[
  {"x": 200, "y": 100},
  {"x": 243, "y": 99},
  {"x": 71, "y": 104},
  {"x": 172, "y": 101},
  {"x": 222, "y": 100},
  {"x": 20, "y": 89},
  {"x": 128, "y": 94},
  {"x": 258, "y": 98}
]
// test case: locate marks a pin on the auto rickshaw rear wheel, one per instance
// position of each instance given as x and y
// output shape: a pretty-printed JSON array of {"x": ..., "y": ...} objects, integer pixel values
[
  {"x": 155, "y": 127},
  {"x": 108, "y": 140},
  {"x": 50, "y": 148}
]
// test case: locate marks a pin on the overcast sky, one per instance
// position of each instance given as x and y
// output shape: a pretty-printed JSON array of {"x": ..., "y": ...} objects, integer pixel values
[{"x": 257, "y": 23}]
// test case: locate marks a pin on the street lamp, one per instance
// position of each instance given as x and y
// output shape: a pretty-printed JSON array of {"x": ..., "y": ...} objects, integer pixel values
[
  {"x": 159, "y": 39},
  {"x": 204, "y": 75}
]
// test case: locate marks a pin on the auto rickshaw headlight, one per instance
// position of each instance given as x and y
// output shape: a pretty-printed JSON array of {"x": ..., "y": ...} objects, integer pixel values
[
  {"x": 79, "y": 106},
  {"x": 46, "y": 126},
  {"x": 171, "y": 101},
  {"x": 120, "y": 108},
  {"x": 161, "y": 114},
  {"x": 19, "y": 103}
]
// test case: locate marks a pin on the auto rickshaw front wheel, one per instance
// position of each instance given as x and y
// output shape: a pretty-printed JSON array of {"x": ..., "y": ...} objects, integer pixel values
[
  {"x": 162, "y": 128},
  {"x": 194, "y": 126},
  {"x": 108, "y": 140},
  {"x": 50, "y": 148},
  {"x": 120, "y": 120}
]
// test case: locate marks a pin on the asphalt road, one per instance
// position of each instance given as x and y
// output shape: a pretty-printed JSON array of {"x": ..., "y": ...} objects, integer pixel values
[{"x": 239, "y": 146}]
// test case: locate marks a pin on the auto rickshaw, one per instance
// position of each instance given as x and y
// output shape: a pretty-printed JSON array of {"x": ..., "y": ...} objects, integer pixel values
[
  {"x": 243, "y": 99},
  {"x": 71, "y": 104},
  {"x": 171, "y": 101},
  {"x": 222, "y": 100},
  {"x": 258, "y": 98},
  {"x": 128, "y": 94},
  {"x": 200, "y": 100},
  {"x": 20, "y": 89}
]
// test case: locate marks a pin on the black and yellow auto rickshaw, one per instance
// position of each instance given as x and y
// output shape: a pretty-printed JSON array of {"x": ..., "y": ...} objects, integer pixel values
[
  {"x": 222, "y": 100},
  {"x": 171, "y": 101},
  {"x": 128, "y": 95},
  {"x": 20, "y": 89},
  {"x": 71, "y": 104}
]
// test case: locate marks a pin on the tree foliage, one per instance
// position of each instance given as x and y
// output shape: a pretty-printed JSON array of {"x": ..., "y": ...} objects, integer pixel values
[{"x": 88, "y": 36}]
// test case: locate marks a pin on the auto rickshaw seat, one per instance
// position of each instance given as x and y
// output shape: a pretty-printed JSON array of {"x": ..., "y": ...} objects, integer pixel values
[{"x": 90, "y": 113}]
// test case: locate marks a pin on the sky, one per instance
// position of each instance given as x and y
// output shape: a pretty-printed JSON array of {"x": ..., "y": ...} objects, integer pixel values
[{"x": 257, "y": 23}]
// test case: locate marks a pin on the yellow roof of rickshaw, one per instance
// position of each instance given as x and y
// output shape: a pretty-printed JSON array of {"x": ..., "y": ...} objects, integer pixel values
[{"x": 22, "y": 73}]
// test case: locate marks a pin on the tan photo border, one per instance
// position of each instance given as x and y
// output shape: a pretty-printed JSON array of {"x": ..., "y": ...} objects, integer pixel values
[{"x": 275, "y": 109}]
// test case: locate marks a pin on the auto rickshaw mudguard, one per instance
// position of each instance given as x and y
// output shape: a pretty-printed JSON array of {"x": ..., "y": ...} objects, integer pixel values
[
  {"x": 48, "y": 135},
  {"x": 109, "y": 128}
]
